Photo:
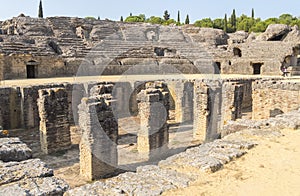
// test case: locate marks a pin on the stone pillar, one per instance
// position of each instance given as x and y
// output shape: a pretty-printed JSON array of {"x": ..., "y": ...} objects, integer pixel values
[
  {"x": 54, "y": 121},
  {"x": 153, "y": 136},
  {"x": 238, "y": 101},
  {"x": 207, "y": 111},
  {"x": 98, "y": 145}
]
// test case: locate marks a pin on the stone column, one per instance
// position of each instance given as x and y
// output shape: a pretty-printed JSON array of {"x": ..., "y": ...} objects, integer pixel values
[
  {"x": 98, "y": 145},
  {"x": 153, "y": 136},
  {"x": 54, "y": 121},
  {"x": 207, "y": 111}
]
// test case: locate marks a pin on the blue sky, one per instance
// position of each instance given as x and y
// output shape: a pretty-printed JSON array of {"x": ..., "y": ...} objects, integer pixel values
[{"x": 113, "y": 9}]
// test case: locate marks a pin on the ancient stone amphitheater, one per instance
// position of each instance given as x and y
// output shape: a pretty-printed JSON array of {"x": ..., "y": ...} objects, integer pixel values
[{"x": 129, "y": 105}]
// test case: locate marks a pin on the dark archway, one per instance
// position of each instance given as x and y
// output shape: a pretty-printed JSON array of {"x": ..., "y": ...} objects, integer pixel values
[
  {"x": 217, "y": 67},
  {"x": 257, "y": 68},
  {"x": 237, "y": 52},
  {"x": 31, "y": 69}
]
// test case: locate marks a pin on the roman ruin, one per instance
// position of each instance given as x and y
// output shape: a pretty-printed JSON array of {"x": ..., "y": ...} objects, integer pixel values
[{"x": 131, "y": 104}]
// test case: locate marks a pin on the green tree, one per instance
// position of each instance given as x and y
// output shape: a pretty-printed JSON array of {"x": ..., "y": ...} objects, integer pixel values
[
  {"x": 170, "y": 21},
  {"x": 218, "y": 23},
  {"x": 245, "y": 24},
  {"x": 286, "y": 19},
  {"x": 155, "y": 20},
  {"x": 233, "y": 20},
  {"x": 178, "y": 17},
  {"x": 41, "y": 15},
  {"x": 187, "y": 19},
  {"x": 98, "y": 18},
  {"x": 258, "y": 27},
  {"x": 205, "y": 22},
  {"x": 225, "y": 24},
  {"x": 252, "y": 13},
  {"x": 90, "y": 18},
  {"x": 271, "y": 21},
  {"x": 121, "y": 19},
  {"x": 166, "y": 15},
  {"x": 130, "y": 14},
  {"x": 139, "y": 18},
  {"x": 296, "y": 21}
]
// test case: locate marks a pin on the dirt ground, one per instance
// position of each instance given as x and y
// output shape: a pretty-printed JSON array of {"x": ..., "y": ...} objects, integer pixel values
[{"x": 271, "y": 168}]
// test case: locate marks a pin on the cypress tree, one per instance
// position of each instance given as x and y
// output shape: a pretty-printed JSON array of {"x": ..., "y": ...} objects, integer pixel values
[
  {"x": 166, "y": 15},
  {"x": 98, "y": 18},
  {"x": 130, "y": 14},
  {"x": 41, "y": 10},
  {"x": 252, "y": 14},
  {"x": 225, "y": 23},
  {"x": 233, "y": 20},
  {"x": 121, "y": 19},
  {"x": 187, "y": 19},
  {"x": 178, "y": 17}
]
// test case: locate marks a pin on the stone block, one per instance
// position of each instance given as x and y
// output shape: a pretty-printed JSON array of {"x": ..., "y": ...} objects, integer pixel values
[{"x": 12, "y": 149}]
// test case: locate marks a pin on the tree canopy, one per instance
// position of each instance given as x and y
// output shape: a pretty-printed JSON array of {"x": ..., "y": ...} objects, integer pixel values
[{"x": 228, "y": 24}]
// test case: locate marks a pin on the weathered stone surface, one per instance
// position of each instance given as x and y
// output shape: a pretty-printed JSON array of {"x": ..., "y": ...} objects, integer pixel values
[
  {"x": 293, "y": 35},
  {"x": 35, "y": 186},
  {"x": 15, "y": 171},
  {"x": 148, "y": 180},
  {"x": 12, "y": 149},
  {"x": 207, "y": 35},
  {"x": 209, "y": 157},
  {"x": 238, "y": 37},
  {"x": 275, "y": 32},
  {"x": 290, "y": 120}
]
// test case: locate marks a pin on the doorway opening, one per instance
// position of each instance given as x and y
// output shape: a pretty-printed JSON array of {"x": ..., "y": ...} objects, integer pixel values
[
  {"x": 256, "y": 68},
  {"x": 31, "y": 68}
]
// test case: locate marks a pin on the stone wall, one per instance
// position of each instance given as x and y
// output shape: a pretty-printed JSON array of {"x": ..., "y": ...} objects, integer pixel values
[
  {"x": 10, "y": 110},
  {"x": 274, "y": 97},
  {"x": 98, "y": 145},
  {"x": 54, "y": 120}
]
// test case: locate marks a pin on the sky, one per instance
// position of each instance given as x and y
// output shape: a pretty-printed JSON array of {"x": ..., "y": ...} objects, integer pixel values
[{"x": 114, "y": 9}]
